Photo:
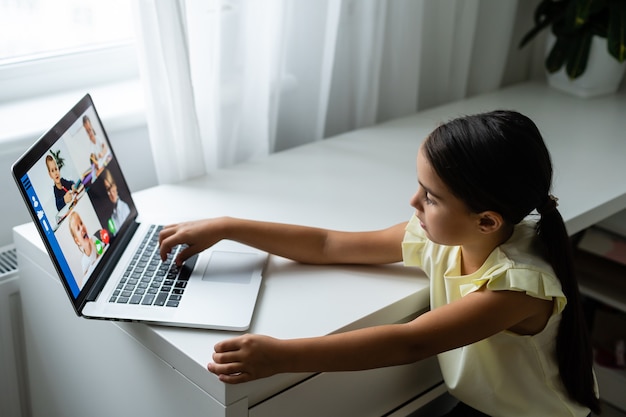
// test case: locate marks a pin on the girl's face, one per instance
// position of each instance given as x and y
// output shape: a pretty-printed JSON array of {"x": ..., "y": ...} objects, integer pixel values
[
  {"x": 445, "y": 218},
  {"x": 53, "y": 171}
]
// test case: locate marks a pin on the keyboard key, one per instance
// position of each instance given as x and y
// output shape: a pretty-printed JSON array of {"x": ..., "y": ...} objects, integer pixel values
[
  {"x": 160, "y": 299},
  {"x": 148, "y": 280}
]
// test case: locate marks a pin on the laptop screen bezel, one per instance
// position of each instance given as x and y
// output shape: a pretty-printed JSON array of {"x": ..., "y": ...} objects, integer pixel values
[{"x": 33, "y": 155}]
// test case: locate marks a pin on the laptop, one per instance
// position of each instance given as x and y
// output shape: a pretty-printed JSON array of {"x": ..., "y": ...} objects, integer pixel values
[{"x": 79, "y": 200}]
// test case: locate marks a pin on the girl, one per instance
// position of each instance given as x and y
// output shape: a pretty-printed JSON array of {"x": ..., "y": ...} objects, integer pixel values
[
  {"x": 505, "y": 319},
  {"x": 64, "y": 190}
]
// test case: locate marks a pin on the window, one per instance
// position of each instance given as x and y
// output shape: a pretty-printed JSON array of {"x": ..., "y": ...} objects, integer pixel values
[{"x": 53, "y": 46}]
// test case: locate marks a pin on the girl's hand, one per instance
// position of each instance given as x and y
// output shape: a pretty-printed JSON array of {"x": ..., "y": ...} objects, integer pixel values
[
  {"x": 67, "y": 197},
  {"x": 197, "y": 235},
  {"x": 246, "y": 358}
]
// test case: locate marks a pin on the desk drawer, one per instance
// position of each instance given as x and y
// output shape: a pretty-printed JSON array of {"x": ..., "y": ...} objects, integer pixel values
[{"x": 365, "y": 393}]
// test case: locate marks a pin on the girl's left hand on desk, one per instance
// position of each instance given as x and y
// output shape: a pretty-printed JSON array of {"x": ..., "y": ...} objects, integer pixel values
[{"x": 245, "y": 358}]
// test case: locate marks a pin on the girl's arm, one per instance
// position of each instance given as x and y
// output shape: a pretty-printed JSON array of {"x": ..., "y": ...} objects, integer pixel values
[
  {"x": 472, "y": 318},
  {"x": 299, "y": 243}
]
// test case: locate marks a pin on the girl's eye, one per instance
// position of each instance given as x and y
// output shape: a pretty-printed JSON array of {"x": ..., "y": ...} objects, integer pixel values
[{"x": 427, "y": 199}]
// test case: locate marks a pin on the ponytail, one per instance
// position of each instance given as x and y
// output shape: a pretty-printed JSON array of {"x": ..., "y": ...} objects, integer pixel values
[{"x": 573, "y": 347}]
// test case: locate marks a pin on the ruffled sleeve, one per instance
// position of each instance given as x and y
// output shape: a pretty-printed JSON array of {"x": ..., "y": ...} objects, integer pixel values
[
  {"x": 513, "y": 266},
  {"x": 413, "y": 243},
  {"x": 535, "y": 280}
]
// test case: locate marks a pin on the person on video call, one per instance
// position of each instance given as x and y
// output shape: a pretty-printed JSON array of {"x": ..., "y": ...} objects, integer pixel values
[
  {"x": 101, "y": 153},
  {"x": 90, "y": 246},
  {"x": 121, "y": 210},
  {"x": 64, "y": 190}
]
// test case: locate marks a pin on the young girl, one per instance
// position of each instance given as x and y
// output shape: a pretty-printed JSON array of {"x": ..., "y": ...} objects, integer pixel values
[
  {"x": 505, "y": 322},
  {"x": 64, "y": 190}
]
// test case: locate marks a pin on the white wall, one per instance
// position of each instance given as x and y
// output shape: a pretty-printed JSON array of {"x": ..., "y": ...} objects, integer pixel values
[{"x": 130, "y": 144}]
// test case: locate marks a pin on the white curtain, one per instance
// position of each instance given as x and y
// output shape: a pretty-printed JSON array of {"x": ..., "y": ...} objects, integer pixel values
[{"x": 228, "y": 80}]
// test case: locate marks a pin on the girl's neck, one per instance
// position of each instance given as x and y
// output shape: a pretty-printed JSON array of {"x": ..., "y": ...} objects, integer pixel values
[{"x": 474, "y": 255}]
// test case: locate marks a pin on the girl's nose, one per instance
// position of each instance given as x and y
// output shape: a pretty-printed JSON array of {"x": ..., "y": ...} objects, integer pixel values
[{"x": 416, "y": 201}]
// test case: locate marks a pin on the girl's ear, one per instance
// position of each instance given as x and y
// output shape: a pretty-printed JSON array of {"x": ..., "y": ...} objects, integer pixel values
[{"x": 490, "y": 221}]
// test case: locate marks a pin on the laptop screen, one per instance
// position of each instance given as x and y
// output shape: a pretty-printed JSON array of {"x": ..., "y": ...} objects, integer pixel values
[{"x": 77, "y": 196}]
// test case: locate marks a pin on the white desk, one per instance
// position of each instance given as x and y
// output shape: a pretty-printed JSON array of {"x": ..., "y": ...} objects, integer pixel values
[{"x": 360, "y": 180}]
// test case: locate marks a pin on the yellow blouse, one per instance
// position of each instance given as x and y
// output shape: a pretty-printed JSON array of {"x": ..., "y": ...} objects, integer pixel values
[{"x": 506, "y": 374}]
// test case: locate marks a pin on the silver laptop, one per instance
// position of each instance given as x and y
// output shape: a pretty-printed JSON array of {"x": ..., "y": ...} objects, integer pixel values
[{"x": 106, "y": 259}]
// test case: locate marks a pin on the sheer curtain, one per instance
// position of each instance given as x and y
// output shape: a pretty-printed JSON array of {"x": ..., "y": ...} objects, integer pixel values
[{"x": 228, "y": 80}]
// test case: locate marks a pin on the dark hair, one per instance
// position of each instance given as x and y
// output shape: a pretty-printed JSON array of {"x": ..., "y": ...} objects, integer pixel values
[{"x": 498, "y": 161}]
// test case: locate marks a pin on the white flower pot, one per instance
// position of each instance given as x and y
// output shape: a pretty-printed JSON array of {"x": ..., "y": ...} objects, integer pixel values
[{"x": 602, "y": 76}]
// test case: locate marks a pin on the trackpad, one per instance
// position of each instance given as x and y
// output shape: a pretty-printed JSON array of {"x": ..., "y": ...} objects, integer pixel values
[{"x": 232, "y": 267}]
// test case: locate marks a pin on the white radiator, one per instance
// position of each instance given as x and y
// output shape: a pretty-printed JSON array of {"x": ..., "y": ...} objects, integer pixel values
[{"x": 14, "y": 400}]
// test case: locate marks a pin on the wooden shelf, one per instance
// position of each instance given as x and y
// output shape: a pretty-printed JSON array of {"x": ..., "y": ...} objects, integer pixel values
[
  {"x": 601, "y": 279},
  {"x": 612, "y": 383},
  {"x": 605, "y": 281}
]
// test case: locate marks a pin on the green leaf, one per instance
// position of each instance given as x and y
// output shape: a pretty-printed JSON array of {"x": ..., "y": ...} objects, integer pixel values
[
  {"x": 578, "y": 13},
  {"x": 558, "y": 54},
  {"x": 578, "y": 54},
  {"x": 583, "y": 13},
  {"x": 616, "y": 33},
  {"x": 546, "y": 13}
]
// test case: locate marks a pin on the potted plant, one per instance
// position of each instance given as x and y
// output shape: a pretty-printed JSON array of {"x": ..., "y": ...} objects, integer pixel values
[
  {"x": 58, "y": 158},
  {"x": 577, "y": 28}
]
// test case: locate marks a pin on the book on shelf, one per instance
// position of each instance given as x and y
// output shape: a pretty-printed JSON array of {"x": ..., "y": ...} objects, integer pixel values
[{"x": 604, "y": 243}]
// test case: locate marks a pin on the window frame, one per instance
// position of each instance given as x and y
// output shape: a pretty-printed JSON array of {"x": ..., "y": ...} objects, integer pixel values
[{"x": 56, "y": 73}]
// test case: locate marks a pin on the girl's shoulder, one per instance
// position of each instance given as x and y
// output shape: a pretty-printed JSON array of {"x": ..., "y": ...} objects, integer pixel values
[
  {"x": 524, "y": 247},
  {"x": 519, "y": 265}
]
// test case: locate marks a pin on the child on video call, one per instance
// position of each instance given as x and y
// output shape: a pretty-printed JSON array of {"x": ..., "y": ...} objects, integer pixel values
[
  {"x": 64, "y": 190},
  {"x": 100, "y": 153},
  {"x": 121, "y": 210},
  {"x": 90, "y": 246},
  {"x": 506, "y": 320}
]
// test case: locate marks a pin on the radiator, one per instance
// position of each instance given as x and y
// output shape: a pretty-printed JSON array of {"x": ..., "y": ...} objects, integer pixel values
[{"x": 14, "y": 401}]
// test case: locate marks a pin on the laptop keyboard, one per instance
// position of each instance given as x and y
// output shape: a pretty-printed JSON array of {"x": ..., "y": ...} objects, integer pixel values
[{"x": 150, "y": 281}]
